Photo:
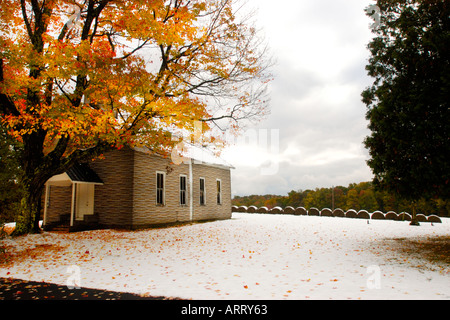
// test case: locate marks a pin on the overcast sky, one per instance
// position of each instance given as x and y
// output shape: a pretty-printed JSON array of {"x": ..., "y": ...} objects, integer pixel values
[{"x": 317, "y": 118}]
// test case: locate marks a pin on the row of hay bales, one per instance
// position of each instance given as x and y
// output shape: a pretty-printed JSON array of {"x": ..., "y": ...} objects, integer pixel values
[{"x": 326, "y": 212}]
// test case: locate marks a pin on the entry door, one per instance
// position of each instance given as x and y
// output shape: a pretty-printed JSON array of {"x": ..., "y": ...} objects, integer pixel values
[{"x": 85, "y": 200}]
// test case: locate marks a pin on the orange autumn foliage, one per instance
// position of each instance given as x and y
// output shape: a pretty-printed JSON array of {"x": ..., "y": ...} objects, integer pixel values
[
  {"x": 124, "y": 71},
  {"x": 80, "y": 77}
]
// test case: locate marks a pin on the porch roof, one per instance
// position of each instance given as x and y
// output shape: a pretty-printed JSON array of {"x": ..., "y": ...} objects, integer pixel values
[
  {"x": 81, "y": 172},
  {"x": 78, "y": 173}
]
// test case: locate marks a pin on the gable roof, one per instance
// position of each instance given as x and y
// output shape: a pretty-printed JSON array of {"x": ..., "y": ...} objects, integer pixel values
[
  {"x": 78, "y": 173},
  {"x": 205, "y": 156},
  {"x": 81, "y": 172},
  {"x": 198, "y": 155}
]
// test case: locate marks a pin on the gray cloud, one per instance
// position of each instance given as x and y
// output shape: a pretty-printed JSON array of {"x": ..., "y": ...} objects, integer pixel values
[{"x": 320, "y": 46}]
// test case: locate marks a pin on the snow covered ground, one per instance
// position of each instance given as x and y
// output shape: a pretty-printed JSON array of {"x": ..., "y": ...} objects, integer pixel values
[{"x": 247, "y": 257}]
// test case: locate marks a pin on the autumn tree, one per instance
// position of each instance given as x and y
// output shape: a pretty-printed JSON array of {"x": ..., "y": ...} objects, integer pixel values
[
  {"x": 408, "y": 104},
  {"x": 81, "y": 77},
  {"x": 319, "y": 198},
  {"x": 357, "y": 196},
  {"x": 295, "y": 198},
  {"x": 10, "y": 192},
  {"x": 352, "y": 200},
  {"x": 367, "y": 200},
  {"x": 340, "y": 197}
]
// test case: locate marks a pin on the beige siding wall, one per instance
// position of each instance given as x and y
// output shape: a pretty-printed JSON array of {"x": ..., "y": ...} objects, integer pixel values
[
  {"x": 59, "y": 203},
  {"x": 128, "y": 197},
  {"x": 114, "y": 199},
  {"x": 211, "y": 210},
  {"x": 146, "y": 211}
]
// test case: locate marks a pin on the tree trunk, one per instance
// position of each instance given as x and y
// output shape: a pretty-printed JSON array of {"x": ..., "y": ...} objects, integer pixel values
[
  {"x": 32, "y": 180},
  {"x": 414, "y": 221},
  {"x": 30, "y": 210},
  {"x": 37, "y": 169}
]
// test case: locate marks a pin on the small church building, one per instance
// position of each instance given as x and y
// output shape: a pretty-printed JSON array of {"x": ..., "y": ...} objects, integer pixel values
[{"x": 132, "y": 189}]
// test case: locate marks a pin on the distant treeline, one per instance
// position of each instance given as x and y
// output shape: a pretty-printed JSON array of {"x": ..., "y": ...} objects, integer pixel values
[{"x": 361, "y": 196}]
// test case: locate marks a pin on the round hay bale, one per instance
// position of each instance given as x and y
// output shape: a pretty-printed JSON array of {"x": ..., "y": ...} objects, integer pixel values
[
  {"x": 313, "y": 212},
  {"x": 326, "y": 212},
  {"x": 252, "y": 209},
  {"x": 276, "y": 210},
  {"x": 234, "y": 209},
  {"x": 242, "y": 209},
  {"x": 363, "y": 214},
  {"x": 351, "y": 213},
  {"x": 300, "y": 211},
  {"x": 377, "y": 215},
  {"x": 391, "y": 215},
  {"x": 404, "y": 216},
  {"x": 289, "y": 210},
  {"x": 262, "y": 210},
  {"x": 434, "y": 218},
  {"x": 421, "y": 218},
  {"x": 338, "y": 212}
]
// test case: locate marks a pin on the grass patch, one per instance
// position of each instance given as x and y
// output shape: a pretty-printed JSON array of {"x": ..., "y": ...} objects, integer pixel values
[
  {"x": 8, "y": 256},
  {"x": 434, "y": 249}
]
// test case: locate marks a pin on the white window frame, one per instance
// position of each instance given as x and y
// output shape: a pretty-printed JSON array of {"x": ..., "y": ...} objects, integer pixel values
[
  {"x": 163, "y": 188},
  {"x": 185, "y": 190},
  {"x": 204, "y": 191},
  {"x": 219, "y": 191}
]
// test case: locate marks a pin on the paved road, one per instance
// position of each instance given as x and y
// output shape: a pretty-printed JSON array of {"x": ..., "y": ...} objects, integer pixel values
[{"x": 14, "y": 289}]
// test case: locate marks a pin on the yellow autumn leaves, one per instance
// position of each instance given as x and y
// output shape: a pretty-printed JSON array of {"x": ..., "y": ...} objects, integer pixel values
[{"x": 124, "y": 72}]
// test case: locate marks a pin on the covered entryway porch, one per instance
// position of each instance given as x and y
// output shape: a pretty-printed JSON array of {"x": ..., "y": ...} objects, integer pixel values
[{"x": 69, "y": 200}]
